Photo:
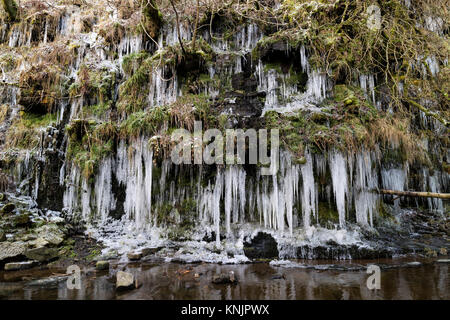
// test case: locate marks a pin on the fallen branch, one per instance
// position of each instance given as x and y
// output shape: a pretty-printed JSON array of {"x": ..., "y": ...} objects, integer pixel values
[
  {"x": 429, "y": 112},
  {"x": 416, "y": 194}
]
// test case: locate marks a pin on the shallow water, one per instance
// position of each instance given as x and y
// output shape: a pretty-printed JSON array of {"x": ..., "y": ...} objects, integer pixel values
[{"x": 159, "y": 280}]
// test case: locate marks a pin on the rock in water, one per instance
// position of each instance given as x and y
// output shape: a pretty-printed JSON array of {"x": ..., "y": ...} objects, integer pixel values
[
  {"x": 11, "y": 250},
  {"x": 263, "y": 246},
  {"x": 223, "y": 278},
  {"x": 134, "y": 256},
  {"x": 102, "y": 265},
  {"x": 42, "y": 254},
  {"x": 125, "y": 281},
  {"x": 443, "y": 261},
  {"x": 14, "y": 266},
  {"x": 148, "y": 251}
]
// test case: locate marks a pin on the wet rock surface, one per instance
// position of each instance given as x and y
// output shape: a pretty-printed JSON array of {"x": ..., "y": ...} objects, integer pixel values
[{"x": 14, "y": 266}]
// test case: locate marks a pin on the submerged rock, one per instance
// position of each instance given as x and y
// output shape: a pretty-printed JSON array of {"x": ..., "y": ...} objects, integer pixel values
[
  {"x": 263, "y": 246},
  {"x": 14, "y": 266},
  {"x": 223, "y": 278},
  {"x": 125, "y": 281}
]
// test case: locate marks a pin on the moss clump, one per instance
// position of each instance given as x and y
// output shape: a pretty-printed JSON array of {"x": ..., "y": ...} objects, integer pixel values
[
  {"x": 152, "y": 18},
  {"x": 94, "y": 84},
  {"x": 25, "y": 132},
  {"x": 11, "y": 9},
  {"x": 89, "y": 143},
  {"x": 144, "y": 122}
]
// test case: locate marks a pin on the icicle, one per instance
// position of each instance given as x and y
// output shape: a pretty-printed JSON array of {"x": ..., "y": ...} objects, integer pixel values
[
  {"x": 105, "y": 201},
  {"x": 338, "y": 168},
  {"x": 308, "y": 191},
  {"x": 366, "y": 181},
  {"x": 139, "y": 184}
]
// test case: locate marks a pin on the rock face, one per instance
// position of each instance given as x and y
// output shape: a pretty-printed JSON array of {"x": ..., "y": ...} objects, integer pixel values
[
  {"x": 125, "y": 281},
  {"x": 42, "y": 254},
  {"x": 14, "y": 266},
  {"x": 11, "y": 250},
  {"x": 334, "y": 251},
  {"x": 263, "y": 246}
]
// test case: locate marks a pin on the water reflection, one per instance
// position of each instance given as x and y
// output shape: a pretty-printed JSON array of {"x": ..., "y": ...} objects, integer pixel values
[{"x": 257, "y": 281}]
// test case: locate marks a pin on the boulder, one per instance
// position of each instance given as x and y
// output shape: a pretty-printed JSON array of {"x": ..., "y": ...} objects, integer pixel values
[
  {"x": 102, "y": 265},
  {"x": 14, "y": 266},
  {"x": 51, "y": 233},
  {"x": 223, "y": 278},
  {"x": 134, "y": 256},
  {"x": 8, "y": 208},
  {"x": 11, "y": 250},
  {"x": 149, "y": 251},
  {"x": 42, "y": 254},
  {"x": 124, "y": 281}
]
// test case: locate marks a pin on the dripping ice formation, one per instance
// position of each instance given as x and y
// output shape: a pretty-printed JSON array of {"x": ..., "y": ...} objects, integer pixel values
[{"x": 234, "y": 203}]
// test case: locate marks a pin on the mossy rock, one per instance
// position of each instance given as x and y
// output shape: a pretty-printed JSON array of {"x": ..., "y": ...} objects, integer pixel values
[
  {"x": 11, "y": 8},
  {"x": 8, "y": 208},
  {"x": 21, "y": 220},
  {"x": 3, "y": 197}
]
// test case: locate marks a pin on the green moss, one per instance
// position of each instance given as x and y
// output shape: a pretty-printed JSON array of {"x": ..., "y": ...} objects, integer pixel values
[
  {"x": 89, "y": 143},
  {"x": 11, "y": 9},
  {"x": 144, "y": 122},
  {"x": 25, "y": 132}
]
